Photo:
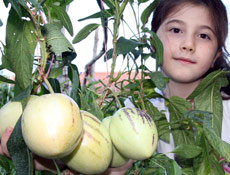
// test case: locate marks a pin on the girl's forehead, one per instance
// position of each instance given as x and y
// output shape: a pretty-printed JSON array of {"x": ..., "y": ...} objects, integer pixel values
[
  {"x": 188, "y": 12},
  {"x": 181, "y": 9}
]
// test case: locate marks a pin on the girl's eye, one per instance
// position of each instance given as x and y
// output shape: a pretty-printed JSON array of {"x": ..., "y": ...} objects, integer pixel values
[
  {"x": 175, "y": 30},
  {"x": 204, "y": 36}
]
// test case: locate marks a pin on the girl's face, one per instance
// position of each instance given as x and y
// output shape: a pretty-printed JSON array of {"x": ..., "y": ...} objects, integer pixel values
[{"x": 190, "y": 44}]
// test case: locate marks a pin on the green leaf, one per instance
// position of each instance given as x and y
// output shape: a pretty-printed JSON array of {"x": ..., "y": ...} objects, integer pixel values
[
  {"x": 108, "y": 55},
  {"x": 19, "y": 153},
  {"x": 188, "y": 171},
  {"x": 187, "y": 151},
  {"x": 6, "y": 80},
  {"x": 18, "y": 50},
  {"x": 160, "y": 161},
  {"x": 148, "y": 11},
  {"x": 220, "y": 146},
  {"x": 160, "y": 121},
  {"x": 95, "y": 110},
  {"x": 208, "y": 161},
  {"x": 110, "y": 4},
  {"x": 68, "y": 57},
  {"x": 157, "y": 44},
  {"x": 56, "y": 41},
  {"x": 102, "y": 14},
  {"x": 142, "y": 1},
  {"x": 125, "y": 46},
  {"x": 54, "y": 84},
  {"x": 209, "y": 166},
  {"x": 55, "y": 72},
  {"x": 74, "y": 76},
  {"x": 177, "y": 108},
  {"x": 84, "y": 32},
  {"x": 25, "y": 93},
  {"x": 6, "y": 166},
  {"x": 207, "y": 97},
  {"x": 44, "y": 173},
  {"x": 158, "y": 79},
  {"x": 15, "y": 4},
  {"x": 29, "y": 33},
  {"x": 173, "y": 168},
  {"x": 1, "y": 24},
  {"x": 64, "y": 18}
]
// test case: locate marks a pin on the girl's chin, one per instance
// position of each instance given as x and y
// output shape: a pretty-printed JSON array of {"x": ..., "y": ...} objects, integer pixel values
[{"x": 184, "y": 80}]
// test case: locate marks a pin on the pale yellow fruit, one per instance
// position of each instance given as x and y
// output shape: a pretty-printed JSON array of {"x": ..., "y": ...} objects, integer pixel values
[
  {"x": 52, "y": 125},
  {"x": 93, "y": 155},
  {"x": 134, "y": 133},
  {"x": 118, "y": 160},
  {"x": 10, "y": 113}
]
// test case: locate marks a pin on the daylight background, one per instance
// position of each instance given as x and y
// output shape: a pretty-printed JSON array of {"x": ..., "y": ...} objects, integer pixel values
[{"x": 81, "y": 8}]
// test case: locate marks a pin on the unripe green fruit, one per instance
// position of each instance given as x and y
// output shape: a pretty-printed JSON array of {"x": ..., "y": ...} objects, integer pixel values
[
  {"x": 10, "y": 113},
  {"x": 118, "y": 160},
  {"x": 94, "y": 153},
  {"x": 134, "y": 133},
  {"x": 52, "y": 125}
]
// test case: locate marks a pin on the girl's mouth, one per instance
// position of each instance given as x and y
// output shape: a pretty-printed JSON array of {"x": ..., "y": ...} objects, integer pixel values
[{"x": 185, "y": 60}]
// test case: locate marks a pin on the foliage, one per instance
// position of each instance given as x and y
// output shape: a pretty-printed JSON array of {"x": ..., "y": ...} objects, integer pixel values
[
  {"x": 6, "y": 93},
  {"x": 196, "y": 132}
]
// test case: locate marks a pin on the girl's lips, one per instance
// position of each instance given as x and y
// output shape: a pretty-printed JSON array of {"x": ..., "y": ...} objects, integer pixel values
[{"x": 185, "y": 60}]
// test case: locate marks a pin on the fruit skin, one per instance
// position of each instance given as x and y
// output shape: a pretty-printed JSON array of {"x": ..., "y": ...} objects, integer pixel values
[
  {"x": 134, "y": 133},
  {"x": 52, "y": 125},
  {"x": 118, "y": 160},
  {"x": 10, "y": 113},
  {"x": 94, "y": 153}
]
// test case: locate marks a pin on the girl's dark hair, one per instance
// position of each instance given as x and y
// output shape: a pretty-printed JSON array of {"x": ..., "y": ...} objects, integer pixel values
[{"x": 219, "y": 17}]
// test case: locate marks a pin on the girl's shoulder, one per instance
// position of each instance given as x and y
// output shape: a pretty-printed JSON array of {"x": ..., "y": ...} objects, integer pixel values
[
  {"x": 226, "y": 109},
  {"x": 226, "y": 121}
]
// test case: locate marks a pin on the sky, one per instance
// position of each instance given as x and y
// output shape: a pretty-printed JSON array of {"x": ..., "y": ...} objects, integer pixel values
[{"x": 79, "y": 9}]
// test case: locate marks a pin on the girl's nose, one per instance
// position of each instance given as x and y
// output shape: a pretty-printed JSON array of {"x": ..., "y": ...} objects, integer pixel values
[{"x": 188, "y": 44}]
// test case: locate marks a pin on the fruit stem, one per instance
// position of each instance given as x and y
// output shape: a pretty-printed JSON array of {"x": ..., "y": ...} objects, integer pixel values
[
  {"x": 45, "y": 80},
  {"x": 57, "y": 168},
  {"x": 48, "y": 85}
]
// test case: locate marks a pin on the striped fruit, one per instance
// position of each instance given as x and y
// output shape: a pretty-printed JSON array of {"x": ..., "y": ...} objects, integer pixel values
[
  {"x": 134, "y": 133},
  {"x": 10, "y": 113},
  {"x": 52, "y": 125},
  {"x": 118, "y": 160},
  {"x": 94, "y": 153}
]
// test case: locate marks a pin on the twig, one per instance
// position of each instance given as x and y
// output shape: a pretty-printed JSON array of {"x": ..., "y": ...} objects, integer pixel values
[
  {"x": 51, "y": 63},
  {"x": 43, "y": 21},
  {"x": 88, "y": 67}
]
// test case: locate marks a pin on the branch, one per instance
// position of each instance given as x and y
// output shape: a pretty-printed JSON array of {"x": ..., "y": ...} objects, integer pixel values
[{"x": 88, "y": 67}]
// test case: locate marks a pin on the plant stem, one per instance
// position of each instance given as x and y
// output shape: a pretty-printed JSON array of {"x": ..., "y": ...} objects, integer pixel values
[
  {"x": 57, "y": 168},
  {"x": 116, "y": 98},
  {"x": 117, "y": 13},
  {"x": 48, "y": 85}
]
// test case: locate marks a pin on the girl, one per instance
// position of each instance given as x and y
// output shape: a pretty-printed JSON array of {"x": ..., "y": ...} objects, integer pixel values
[{"x": 193, "y": 33}]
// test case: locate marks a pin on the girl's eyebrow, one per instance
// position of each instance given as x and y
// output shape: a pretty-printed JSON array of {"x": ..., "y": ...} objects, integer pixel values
[
  {"x": 175, "y": 21},
  {"x": 183, "y": 23}
]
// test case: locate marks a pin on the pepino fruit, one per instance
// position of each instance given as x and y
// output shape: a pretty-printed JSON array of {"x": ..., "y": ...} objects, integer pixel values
[
  {"x": 94, "y": 153},
  {"x": 118, "y": 160},
  {"x": 134, "y": 133},
  {"x": 10, "y": 113},
  {"x": 52, "y": 125}
]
